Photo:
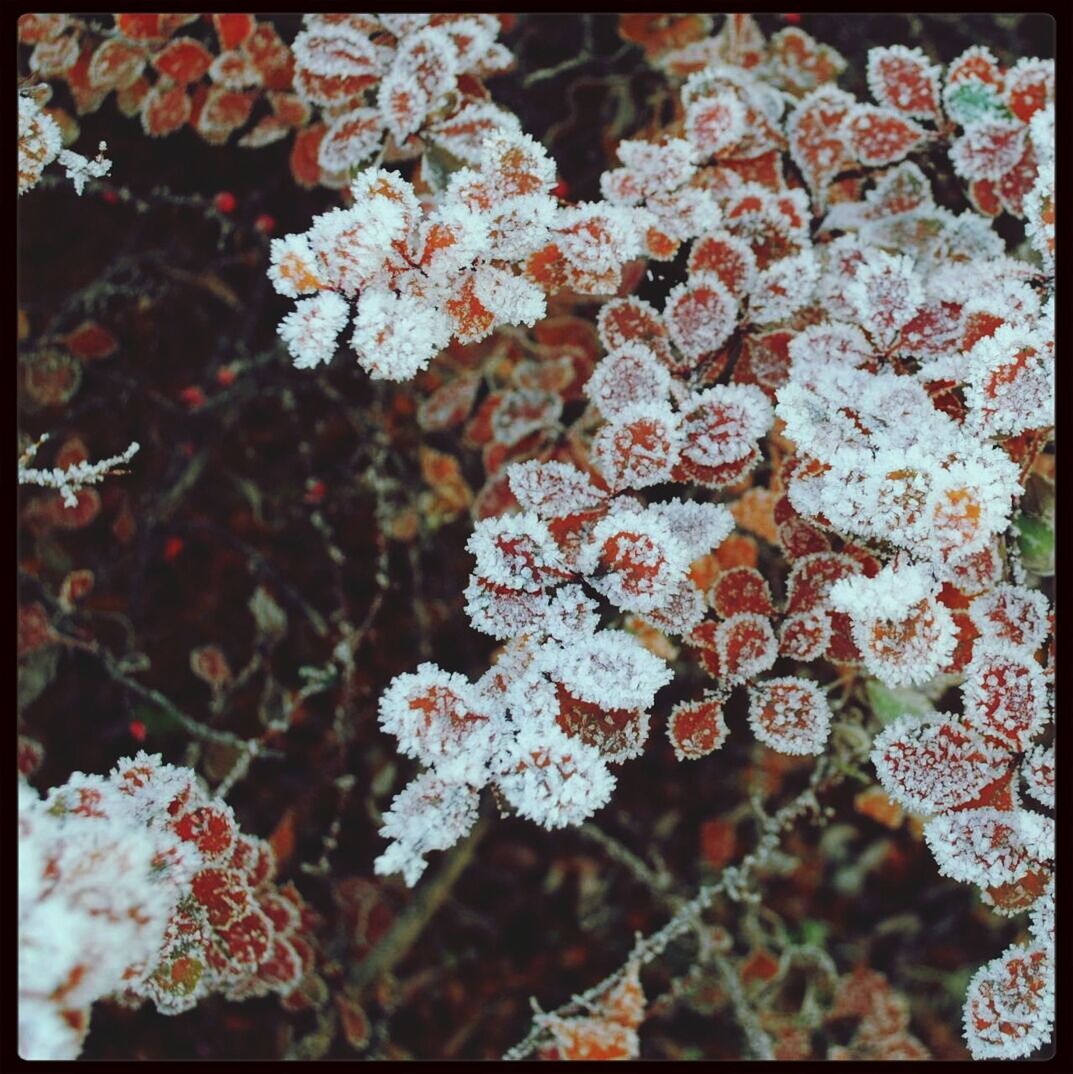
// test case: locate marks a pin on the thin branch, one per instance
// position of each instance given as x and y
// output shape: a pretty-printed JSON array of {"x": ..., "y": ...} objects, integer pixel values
[{"x": 412, "y": 921}]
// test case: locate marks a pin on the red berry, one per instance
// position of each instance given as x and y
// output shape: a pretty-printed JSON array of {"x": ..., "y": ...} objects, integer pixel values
[
  {"x": 561, "y": 189},
  {"x": 793, "y": 19},
  {"x": 265, "y": 224},
  {"x": 225, "y": 202},
  {"x": 315, "y": 491},
  {"x": 110, "y": 196},
  {"x": 193, "y": 396},
  {"x": 137, "y": 730},
  {"x": 226, "y": 375},
  {"x": 172, "y": 547}
]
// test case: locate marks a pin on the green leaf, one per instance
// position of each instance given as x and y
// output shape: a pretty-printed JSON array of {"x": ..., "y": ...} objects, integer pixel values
[
  {"x": 888, "y": 703},
  {"x": 1036, "y": 542},
  {"x": 974, "y": 100}
]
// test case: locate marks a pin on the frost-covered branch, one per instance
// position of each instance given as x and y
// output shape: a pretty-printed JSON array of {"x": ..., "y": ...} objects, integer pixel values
[{"x": 68, "y": 482}]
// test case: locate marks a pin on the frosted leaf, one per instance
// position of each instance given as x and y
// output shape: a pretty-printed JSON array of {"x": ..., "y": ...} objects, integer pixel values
[
  {"x": 741, "y": 589},
  {"x": 463, "y": 133},
  {"x": 471, "y": 35},
  {"x": 396, "y": 336},
  {"x": 715, "y": 124},
  {"x": 90, "y": 912},
  {"x": 970, "y": 502},
  {"x": 902, "y": 78},
  {"x": 697, "y": 728},
  {"x": 351, "y": 244},
  {"x": 698, "y": 527},
  {"x": 639, "y": 447},
  {"x": 403, "y": 23},
  {"x": 790, "y": 715},
  {"x": 350, "y": 140},
  {"x": 650, "y": 167},
  {"x": 990, "y": 847},
  {"x": 700, "y": 315},
  {"x": 428, "y": 814},
  {"x": 514, "y": 662},
  {"x": 80, "y": 169},
  {"x": 1005, "y": 694},
  {"x": 618, "y": 734},
  {"x": 520, "y": 225},
  {"x": 935, "y": 765},
  {"x": 293, "y": 269},
  {"x": 626, "y": 376},
  {"x": 671, "y": 159},
  {"x": 39, "y": 142},
  {"x": 828, "y": 344},
  {"x": 1012, "y": 615},
  {"x": 887, "y": 294},
  {"x": 386, "y": 193},
  {"x": 1041, "y": 131},
  {"x": 422, "y": 71},
  {"x": 609, "y": 668},
  {"x": 1010, "y": 381},
  {"x": 449, "y": 404},
  {"x": 726, "y": 256},
  {"x": 977, "y": 572},
  {"x": 783, "y": 287},
  {"x": 634, "y": 560},
  {"x": 312, "y": 328},
  {"x": 904, "y": 634},
  {"x": 596, "y": 240},
  {"x": 1009, "y": 1004},
  {"x": 235, "y": 70},
  {"x": 1038, "y": 770},
  {"x": 815, "y": 134},
  {"x": 551, "y": 778},
  {"x": 516, "y": 551},
  {"x": 801, "y": 63},
  {"x": 630, "y": 320},
  {"x": 523, "y": 412},
  {"x": 334, "y": 51},
  {"x": 1039, "y": 206},
  {"x": 1041, "y": 919},
  {"x": 722, "y": 424},
  {"x": 502, "y": 612},
  {"x": 805, "y": 635},
  {"x": 552, "y": 489},
  {"x": 468, "y": 318},
  {"x": 190, "y": 842},
  {"x": 976, "y": 62},
  {"x": 509, "y": 298},
  {"x": 571, "y": 613},
  {"x": 974, "y": 100},
  {"x": 880, "y": 136},
  {"x": 681, "y": 609},
  {"x": 746, "y": 646},
  {"x": 1029, "y": 87},
  {"x": 988, "y": 149},
  {"x": 516, "y": 164}
]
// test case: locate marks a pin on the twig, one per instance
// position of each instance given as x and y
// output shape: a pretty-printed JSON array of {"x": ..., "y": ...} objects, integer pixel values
[{"x": 733, "y": 883}]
